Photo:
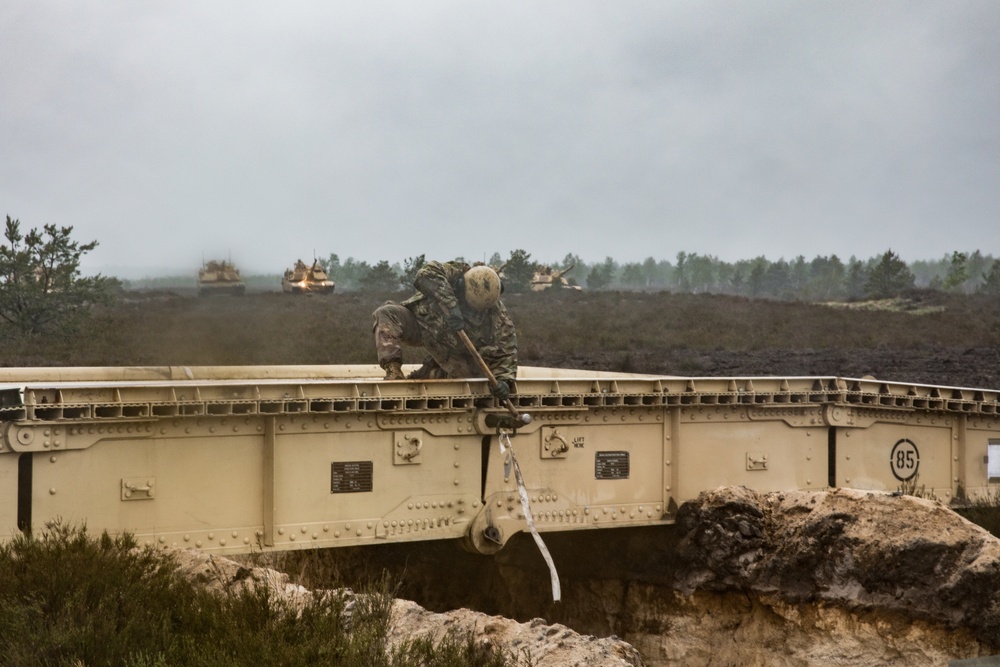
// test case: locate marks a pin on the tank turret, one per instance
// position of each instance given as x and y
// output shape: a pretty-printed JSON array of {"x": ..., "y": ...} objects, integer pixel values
[
  {"x": 304, "y": 279},
  {"x": 546, "y": 278},
  {"x": 217, "y": 277}
]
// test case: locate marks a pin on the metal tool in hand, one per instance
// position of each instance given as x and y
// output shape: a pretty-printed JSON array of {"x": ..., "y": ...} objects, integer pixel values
[
  {"x": 522, "y": 418},
  {"x": 507, "y": 449}
]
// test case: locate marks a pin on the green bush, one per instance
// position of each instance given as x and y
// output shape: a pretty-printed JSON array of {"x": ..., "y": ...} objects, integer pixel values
[{"x": 69, "y": 599}]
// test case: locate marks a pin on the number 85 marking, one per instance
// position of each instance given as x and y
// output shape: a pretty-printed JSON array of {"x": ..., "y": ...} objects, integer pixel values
[{"x": 904, "y": 460}]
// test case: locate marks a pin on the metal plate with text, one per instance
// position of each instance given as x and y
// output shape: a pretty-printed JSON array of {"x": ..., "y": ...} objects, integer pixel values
[
  {"x": 351, "y": 476},
  {"x": 611, "y": 465}
]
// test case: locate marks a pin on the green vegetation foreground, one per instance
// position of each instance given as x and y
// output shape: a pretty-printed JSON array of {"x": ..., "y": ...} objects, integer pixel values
[{"x": 69, "y": 599}]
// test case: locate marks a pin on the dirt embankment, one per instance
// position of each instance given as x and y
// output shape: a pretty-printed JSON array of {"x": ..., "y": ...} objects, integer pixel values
[
  {"x": 796, "y": 579},
  {"x": 834, "y": 578},
  {"x": 545, "y": 644}
]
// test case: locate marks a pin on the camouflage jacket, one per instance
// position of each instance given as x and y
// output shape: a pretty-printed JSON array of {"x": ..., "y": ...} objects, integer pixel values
[{"x": 491, "y": 331}]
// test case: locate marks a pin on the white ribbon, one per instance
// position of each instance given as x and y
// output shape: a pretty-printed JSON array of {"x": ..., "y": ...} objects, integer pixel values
[{"x": 525, "y": 507}]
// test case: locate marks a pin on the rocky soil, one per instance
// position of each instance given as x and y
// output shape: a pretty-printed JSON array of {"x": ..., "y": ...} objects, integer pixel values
[
  {"x": 796, "y": 579},
  {"x": 835, "y": 578}
]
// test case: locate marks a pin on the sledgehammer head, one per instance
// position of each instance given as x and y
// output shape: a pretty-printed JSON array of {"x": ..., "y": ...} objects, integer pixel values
[{"x": 508, "y": 421}]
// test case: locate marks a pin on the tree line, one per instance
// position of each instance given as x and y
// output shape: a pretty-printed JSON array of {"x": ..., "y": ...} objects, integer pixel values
[
  {"x": 42, "y": 290},
  {"x": 820, "y": 279}
]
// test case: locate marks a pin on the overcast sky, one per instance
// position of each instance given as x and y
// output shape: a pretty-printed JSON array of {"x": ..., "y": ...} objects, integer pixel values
[{"x": 173, "y": 131}]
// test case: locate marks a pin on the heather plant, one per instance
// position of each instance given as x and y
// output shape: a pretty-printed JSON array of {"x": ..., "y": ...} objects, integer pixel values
[
  {"x": 555, "y": 328},
  {"x": 67, "y": 598}
]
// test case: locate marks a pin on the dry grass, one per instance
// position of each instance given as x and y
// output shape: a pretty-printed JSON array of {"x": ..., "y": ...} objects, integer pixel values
[{"x": 655, "y": 332}]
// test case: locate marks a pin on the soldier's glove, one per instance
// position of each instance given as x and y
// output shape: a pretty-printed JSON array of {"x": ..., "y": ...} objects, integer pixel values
[
  {"x": 454, "y": 320},
  {"x": 501, "y": 390}
]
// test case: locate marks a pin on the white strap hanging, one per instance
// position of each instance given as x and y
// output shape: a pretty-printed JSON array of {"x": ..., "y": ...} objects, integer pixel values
[{"x": 523, "y": 493}]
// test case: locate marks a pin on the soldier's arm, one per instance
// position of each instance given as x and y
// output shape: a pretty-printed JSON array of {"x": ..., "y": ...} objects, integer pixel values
[
  {"x": 435, "y": 280},
  {"x": 501, "y": 356}
]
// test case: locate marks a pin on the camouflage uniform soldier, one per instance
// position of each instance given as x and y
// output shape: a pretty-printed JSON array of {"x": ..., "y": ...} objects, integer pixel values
[{"x": 451, "y": 297}]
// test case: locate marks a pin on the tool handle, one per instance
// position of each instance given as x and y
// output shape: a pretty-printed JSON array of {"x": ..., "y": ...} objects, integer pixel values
[{"x": 486, "y": 371}]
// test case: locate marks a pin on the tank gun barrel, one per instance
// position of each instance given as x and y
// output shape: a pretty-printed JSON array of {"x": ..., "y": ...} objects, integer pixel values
[{"x": 557, "y": 274}]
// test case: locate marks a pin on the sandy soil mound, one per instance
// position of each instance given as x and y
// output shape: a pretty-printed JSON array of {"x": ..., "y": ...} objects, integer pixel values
[
  {"x": 832, "y": 578},
  {"x": 548, "y": 645}
]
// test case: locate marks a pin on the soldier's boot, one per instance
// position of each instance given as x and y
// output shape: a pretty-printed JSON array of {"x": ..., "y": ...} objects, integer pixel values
[
  {"x": 394, "y": 371},
  {"x": 428, "y": 371}
]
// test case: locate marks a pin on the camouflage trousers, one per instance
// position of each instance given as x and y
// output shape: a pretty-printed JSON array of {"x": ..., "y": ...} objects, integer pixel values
[{"x": 395, "y": 326}]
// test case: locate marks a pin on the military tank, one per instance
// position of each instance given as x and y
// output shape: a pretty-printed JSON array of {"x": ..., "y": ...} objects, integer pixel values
[
  {"x": 220, "y": 277},
  {"x": 547, "y": 278},
  {"x": 303, "y": 279}
]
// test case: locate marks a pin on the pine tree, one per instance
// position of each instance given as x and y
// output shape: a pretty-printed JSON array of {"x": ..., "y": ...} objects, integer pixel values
[
  {"x": 991, "y": 280},
  {"x": 957, "y": 272},
  {"x": 518, "y": 272},
  {"x": 41, "y": 289},
  {"x": 889, "y": 277}
]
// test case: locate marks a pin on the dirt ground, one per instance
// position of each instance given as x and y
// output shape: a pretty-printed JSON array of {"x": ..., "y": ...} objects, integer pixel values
[
  {"x": 954, "y": 342},
  {"x": 977, "y": 367}
]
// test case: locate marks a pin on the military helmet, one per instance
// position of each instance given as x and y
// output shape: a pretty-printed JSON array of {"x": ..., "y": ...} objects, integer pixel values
[{"x": 482, "y": 287}]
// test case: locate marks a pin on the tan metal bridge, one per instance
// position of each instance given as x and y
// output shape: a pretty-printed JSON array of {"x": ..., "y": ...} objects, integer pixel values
[{"x": 234, "y": 459}]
